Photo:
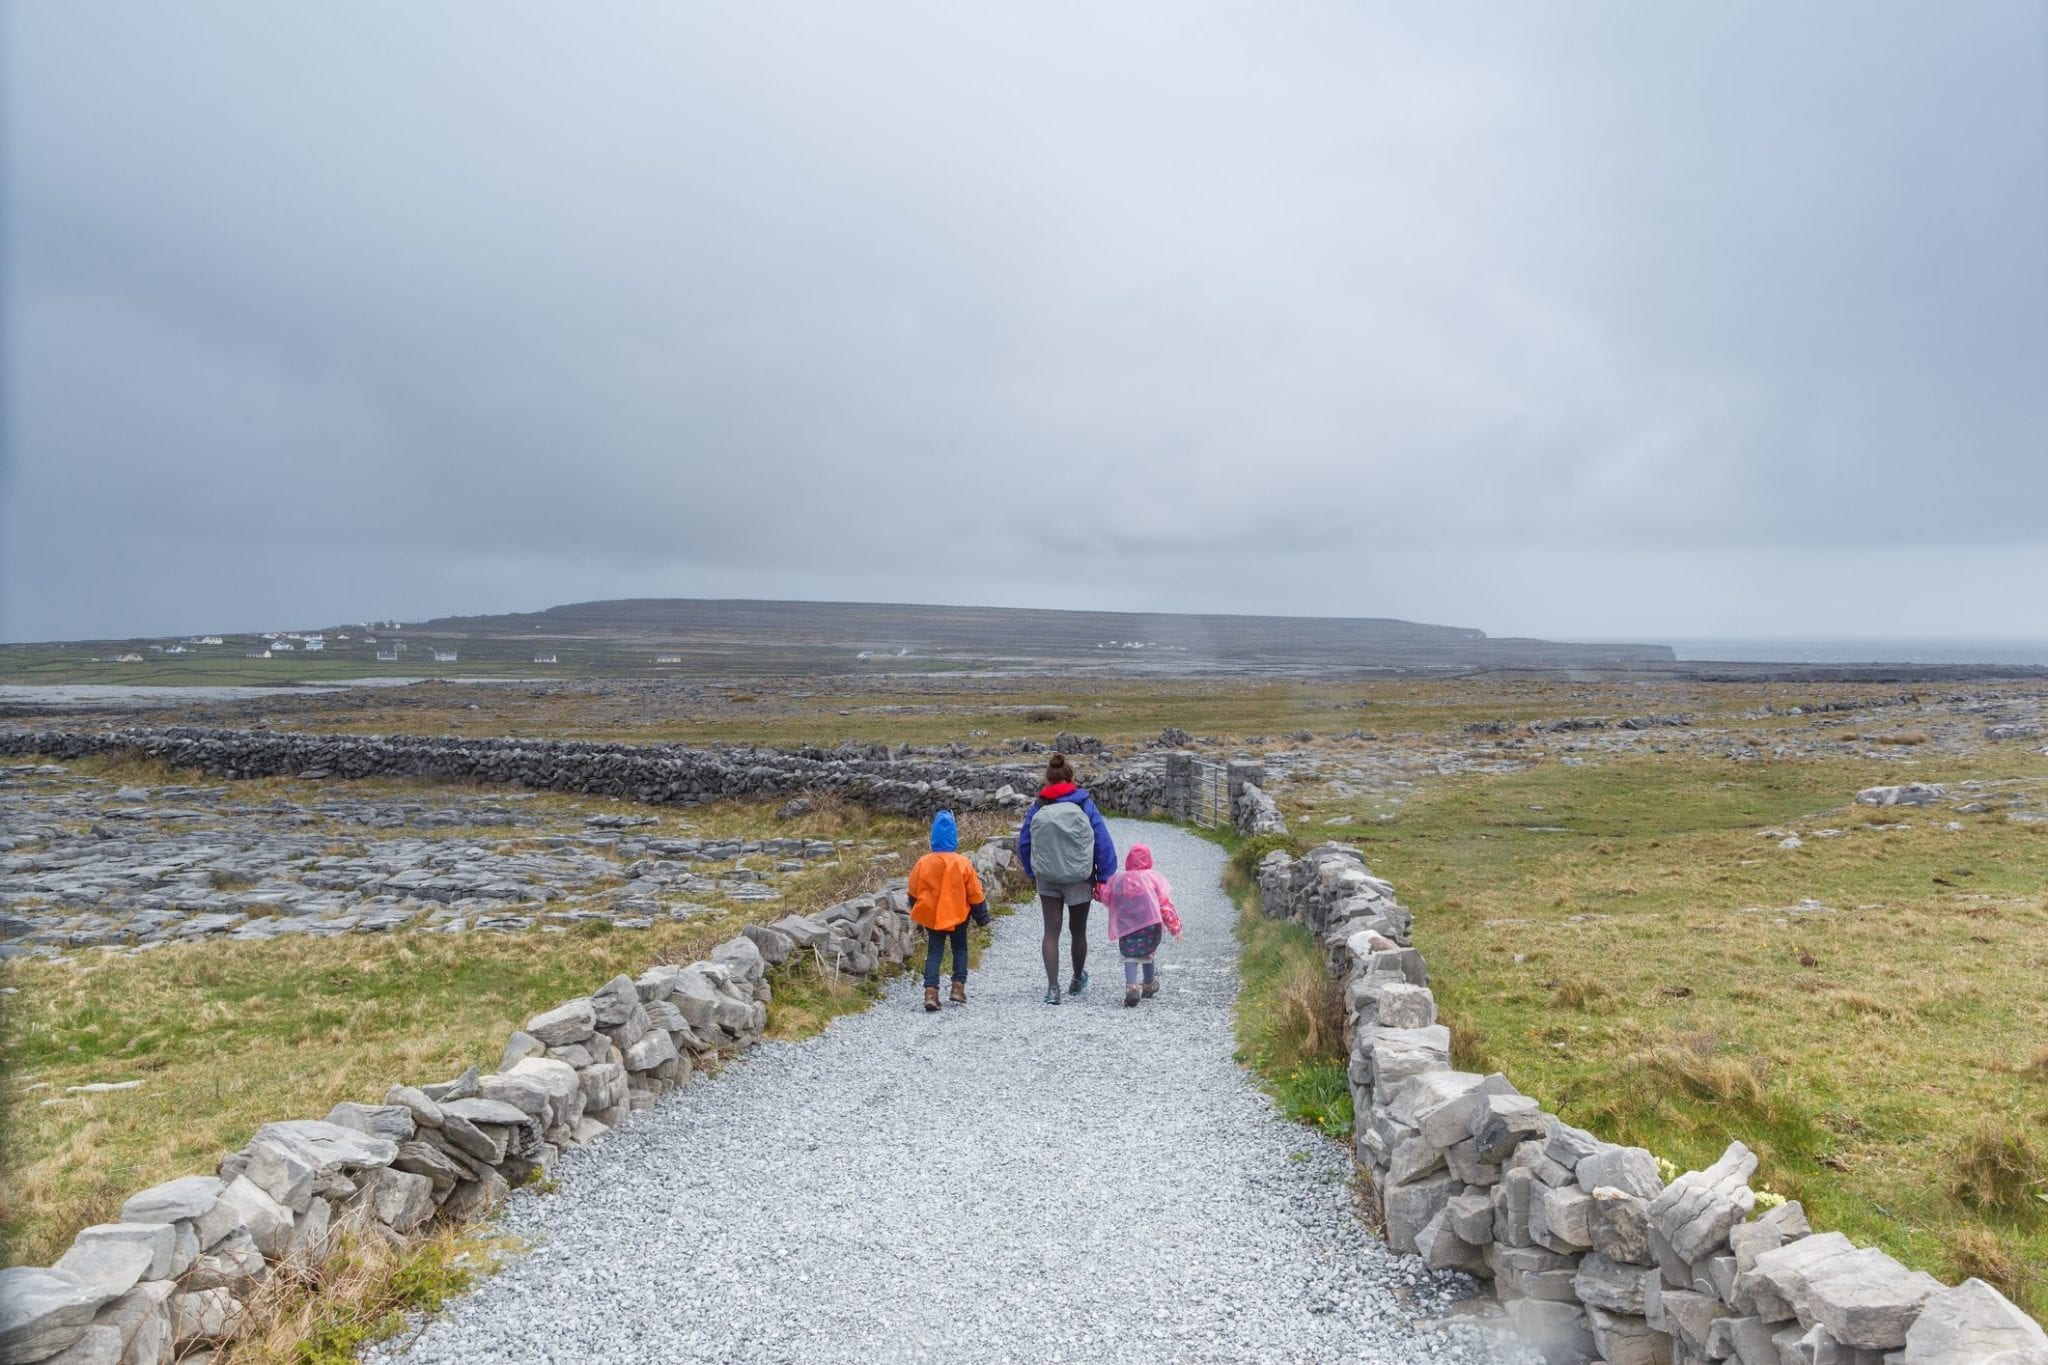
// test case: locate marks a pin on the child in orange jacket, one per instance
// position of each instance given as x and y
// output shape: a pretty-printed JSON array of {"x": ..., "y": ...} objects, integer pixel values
[{"x": 945, "y": 891}]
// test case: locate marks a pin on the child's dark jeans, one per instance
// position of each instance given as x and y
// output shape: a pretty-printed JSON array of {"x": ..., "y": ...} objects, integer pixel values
[{"x": 935, "y": 947}]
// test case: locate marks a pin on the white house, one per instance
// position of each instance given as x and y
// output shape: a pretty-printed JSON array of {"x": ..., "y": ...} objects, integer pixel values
[
  {"x": 284, "y": 646},
  {"x": 543, "y": 658},
  {"x": 668, "y": 658},
  {"x": 209, "y": 639},
  {"x": 314, "y": 644},
  {"x": 387, "y": 656},
  {"x": 446, "y": 656},
  {"x": 257, "y": 654}
]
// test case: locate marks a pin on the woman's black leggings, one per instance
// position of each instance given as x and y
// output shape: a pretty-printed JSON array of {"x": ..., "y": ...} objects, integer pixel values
[{"x": 1077, "y": 917}]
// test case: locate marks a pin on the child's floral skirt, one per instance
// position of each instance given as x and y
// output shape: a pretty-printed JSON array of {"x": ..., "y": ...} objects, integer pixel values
[{"x": 1143, "y": 943}]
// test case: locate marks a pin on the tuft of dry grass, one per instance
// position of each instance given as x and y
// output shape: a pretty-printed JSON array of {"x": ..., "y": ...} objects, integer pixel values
[
  {"x": 1904, "y": 738},
  {"x": 1988, "y": 1256},
  {"x": 2001, "y": 1167},
  {"x": 324, "y": 1314},
  {"x": 1587, "y": 994}
]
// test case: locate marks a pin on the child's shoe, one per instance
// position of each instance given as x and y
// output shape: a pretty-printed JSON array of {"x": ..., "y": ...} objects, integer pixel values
[
  {"x": 931, "y": 998},
  {"x": 1131, "y": 997},
  {"x": 959, "y": 992},
  {"x": 1151, "y": 989}
]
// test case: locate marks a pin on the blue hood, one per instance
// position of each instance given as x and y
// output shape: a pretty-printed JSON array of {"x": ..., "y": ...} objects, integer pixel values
[{"x": 945, "y": 834}]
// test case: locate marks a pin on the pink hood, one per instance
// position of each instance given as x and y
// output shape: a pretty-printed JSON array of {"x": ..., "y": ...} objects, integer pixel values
[{"x": 1138, "y": 897}]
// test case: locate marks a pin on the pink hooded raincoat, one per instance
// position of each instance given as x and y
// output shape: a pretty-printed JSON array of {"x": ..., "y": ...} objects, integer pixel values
[{"x": 1138, "y": 897}]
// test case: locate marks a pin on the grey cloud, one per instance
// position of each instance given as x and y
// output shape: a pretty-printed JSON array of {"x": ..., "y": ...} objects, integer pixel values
[{"x": 481, "y": 307}]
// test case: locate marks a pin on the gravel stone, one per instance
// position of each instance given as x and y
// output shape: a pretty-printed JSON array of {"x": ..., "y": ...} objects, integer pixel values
[{"x": 1001, "y": 1181}]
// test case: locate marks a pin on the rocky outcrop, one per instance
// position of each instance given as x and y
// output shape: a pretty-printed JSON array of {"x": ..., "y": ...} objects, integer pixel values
[
  {"x": 1594, "y": 1256},
  {"x": 176, "y": 1271}
]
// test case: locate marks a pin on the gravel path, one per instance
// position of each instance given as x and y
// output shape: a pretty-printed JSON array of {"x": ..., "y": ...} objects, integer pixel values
[{"x": 1001, "y": 1181}]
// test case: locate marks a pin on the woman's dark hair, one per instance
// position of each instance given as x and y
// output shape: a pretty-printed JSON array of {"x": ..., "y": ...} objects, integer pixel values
[{"x": 1057, "y": 769}]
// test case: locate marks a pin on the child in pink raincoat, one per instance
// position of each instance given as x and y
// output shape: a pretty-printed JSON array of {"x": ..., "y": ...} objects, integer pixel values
[{"x": 1140, "y": 904}]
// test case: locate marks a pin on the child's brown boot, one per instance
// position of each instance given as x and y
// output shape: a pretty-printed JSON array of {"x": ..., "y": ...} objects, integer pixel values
[
  {"x": 959, "y": 992},
  {"x": 931, "y": 997},
  {"x": 1151, "y": 988}
]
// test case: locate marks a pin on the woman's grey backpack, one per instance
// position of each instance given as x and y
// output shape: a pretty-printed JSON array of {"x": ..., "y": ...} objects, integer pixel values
[{"x": 1062, "y": 843}]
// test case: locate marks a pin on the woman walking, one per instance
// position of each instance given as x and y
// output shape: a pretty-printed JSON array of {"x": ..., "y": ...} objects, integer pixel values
[{"x": 1066, "y": 849}]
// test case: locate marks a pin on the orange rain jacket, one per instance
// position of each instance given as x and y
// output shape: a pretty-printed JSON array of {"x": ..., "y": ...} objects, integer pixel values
[{"x": 942, "y": 886}]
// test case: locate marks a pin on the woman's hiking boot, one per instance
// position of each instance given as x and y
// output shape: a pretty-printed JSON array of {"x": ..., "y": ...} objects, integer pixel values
[
  {"x": 1078, "y": 984},
  {"x": 959, "y": 992},
  {"x": 1131, "y": 997},
  {"x": 931, "y": 998}
]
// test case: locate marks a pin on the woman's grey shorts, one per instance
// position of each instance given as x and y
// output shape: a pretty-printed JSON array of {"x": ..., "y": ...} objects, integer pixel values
[{"x": 1070, "y": 893}]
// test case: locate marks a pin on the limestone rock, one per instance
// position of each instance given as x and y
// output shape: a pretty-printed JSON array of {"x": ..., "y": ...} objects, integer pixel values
[
  {"x": 142, "y": 1317},
  {"x": 474, "y": 1198},
  {"x": 1626, "y": 1339},
  {"x": 1700, "y": 1208},
  {"x": 1410, "y": 1206},
  {"x": 425, "y": 1113},
  {"x": 1602, "y": 1283},
  {"x": 100, "y": 1345},
  {"x": 1562, "y": 1219},
  {"x": 1868, "y": 1300},
  {"x": 565, "y": 1024},
  {"x": 268, "y": 1222},
  {"x": 1631, "y": 1170},
  {"x": 326, "y": 1147},
  {"x": 392, "y": 1122},
  {"x": 651, "y": 1051},
  {"x": 43, "y": 1311},
  {"x": 1442, "y": 1249},
  {"x": 1778, "y": 1286},
  {"x": 422, "y": 1158},
  {"x": 159, "y": 1242},
  {"x": 187, "y": 1198},
  {"x": 1974, "y": 1322},
  {"x": 399, "y": 1200},
  {"x": 310, "y": 1234},
  {"x": 204, "y": 1315},
  {"x": 234, "y": 1264},
  {"x": 1620, "y": 1226},
  {"x": 1502, "y": 1123}
]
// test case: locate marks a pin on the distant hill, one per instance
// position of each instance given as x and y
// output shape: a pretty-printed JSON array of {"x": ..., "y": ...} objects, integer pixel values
[{"x": 864, "y": 636}]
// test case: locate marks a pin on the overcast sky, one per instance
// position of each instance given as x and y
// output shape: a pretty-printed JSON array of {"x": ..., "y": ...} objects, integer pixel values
[{"x": 1628, "y": 320}]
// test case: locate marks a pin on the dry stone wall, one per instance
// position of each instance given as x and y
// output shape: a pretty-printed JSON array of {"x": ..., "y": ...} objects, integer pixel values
[
  {"x": 658, "y": 773},
  {"x": 177, "y": 1270},
  {"x": 655, "y": 773},
  {"x": 1593, "y": 1255}
]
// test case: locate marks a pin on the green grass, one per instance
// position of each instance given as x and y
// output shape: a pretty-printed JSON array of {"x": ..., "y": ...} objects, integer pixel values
[
  {"x": 1640, "y": 973},
  {"x": 1289, "y": 1016}
]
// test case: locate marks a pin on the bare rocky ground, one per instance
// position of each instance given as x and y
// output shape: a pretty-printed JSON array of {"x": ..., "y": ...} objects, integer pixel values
[{"x": 87, "y": 862}]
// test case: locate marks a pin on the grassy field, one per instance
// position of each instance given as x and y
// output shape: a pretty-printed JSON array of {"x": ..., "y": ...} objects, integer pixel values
[
  {"x": 1627, "y": 944},
  {"x": 990, "y": 711},
  {"x": 227, "y": 1037}
]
